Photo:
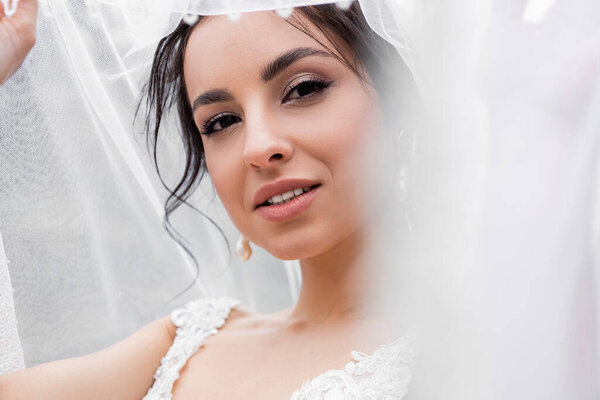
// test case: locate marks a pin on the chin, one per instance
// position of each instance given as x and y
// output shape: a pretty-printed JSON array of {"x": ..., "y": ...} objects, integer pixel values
[
  {"x": 287, "y": 252},
  {"x": 296, "y": 250}
]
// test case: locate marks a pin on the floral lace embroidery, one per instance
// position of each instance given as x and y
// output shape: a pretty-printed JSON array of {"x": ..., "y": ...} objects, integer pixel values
[
  {"x": 195, "y": 322},
  {"x": 383, "y": 375}
]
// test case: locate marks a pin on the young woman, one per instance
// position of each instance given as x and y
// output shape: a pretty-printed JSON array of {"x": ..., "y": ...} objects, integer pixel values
[{"x": 289, "y": 118}]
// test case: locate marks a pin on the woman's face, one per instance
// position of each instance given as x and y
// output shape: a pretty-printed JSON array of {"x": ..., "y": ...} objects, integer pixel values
[{"x": 279, "y": 115}]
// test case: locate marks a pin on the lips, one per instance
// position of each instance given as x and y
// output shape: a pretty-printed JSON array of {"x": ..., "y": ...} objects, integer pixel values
[
  {"x": 285, "y": 210},
  {"x": 265, "y": 192}
]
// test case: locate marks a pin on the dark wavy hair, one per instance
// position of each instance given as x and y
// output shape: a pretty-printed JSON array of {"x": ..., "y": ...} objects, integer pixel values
[{"x": 166, "y": 86}]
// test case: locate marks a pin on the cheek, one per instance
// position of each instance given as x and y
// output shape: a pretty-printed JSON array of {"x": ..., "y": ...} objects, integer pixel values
[
  {"x": 351, "y": 142},
  {"x": 222, "y": 163},
  {"x": 350, "y": 125}
]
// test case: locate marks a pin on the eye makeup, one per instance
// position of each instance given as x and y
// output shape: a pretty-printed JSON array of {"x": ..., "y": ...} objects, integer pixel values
[
  {"x": 303, "y": 85},
  {"x": 301, "y": 89}
]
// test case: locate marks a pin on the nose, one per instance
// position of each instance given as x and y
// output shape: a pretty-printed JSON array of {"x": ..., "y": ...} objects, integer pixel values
[{"x": 265, "y": 145}]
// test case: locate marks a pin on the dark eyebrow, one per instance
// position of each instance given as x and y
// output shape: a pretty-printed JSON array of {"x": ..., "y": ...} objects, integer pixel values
[
  {"x": 269, "y": 71},
  {"x": 275, "y": 67},
  {"x": 212, "y": 96}
]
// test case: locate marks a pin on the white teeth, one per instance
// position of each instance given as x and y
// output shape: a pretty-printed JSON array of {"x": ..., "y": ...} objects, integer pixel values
[{"x": 287, "y": 196}]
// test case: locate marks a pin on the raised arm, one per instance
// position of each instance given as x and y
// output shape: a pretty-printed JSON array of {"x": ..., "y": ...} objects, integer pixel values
[
  {"x": 17, "y": 37},
  {"x": 121, "y": 372}
]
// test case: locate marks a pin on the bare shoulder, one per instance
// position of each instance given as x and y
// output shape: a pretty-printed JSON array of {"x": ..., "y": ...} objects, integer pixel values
[
  {"x": 241, "y": 317},
  {"x": 169, "y": 329},
  {"x": 124, "y": 370}
]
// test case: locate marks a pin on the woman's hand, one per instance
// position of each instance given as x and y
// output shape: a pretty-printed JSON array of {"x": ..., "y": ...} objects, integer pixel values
[{"x": 17, "y": 37}]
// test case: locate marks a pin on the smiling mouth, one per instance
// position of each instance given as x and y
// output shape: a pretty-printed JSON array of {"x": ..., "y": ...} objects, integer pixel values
[{"x": 288, "y": 196}]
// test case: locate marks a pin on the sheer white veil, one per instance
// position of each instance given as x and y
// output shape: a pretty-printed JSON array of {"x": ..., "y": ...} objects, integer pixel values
[{"x": 500, "y": 226}]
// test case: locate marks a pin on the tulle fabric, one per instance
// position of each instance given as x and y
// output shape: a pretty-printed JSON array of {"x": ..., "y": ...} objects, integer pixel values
[
  {"x": 499, "y": 226},
  {"x": 11, "y": 353}
]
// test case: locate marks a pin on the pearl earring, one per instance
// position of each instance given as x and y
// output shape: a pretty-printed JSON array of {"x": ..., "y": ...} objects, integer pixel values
[{"x": 243, "y": 251}]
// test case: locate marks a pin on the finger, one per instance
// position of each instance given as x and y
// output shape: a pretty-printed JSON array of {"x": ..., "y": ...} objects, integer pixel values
[
  {"x": 27, "y": 11},
  {"x": 24, "y": 22},
  {"x": 1, "y": 10},
  {"x": 28, "y": 5}
]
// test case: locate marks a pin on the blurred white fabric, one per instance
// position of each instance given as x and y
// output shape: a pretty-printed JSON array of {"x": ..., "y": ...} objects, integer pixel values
[
  {"x": 11, "y": 354},
  {"x": 538, "y": 252}
]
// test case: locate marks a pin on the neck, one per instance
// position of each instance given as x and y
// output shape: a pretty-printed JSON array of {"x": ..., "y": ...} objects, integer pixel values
[{"x": 338, "y": 284}]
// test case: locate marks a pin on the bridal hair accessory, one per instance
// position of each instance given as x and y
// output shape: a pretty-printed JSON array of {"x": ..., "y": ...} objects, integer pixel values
[
  {"x": 243, "y": 251},
  {"x": 234, "y": 16}
]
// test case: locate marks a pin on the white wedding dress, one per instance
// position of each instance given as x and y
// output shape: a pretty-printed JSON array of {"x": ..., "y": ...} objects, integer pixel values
[{"x": 382, "y": 375}]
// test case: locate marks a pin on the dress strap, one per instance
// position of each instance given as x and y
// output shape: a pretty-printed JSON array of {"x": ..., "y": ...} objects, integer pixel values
[{"x": 195, "y": 322}]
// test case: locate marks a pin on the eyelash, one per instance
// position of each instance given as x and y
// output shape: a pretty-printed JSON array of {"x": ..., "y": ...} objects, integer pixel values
[{"x": 208, "y": 126}]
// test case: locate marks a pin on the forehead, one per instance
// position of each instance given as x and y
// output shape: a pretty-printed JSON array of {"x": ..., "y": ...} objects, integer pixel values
[{"x": 219, "y": 48}]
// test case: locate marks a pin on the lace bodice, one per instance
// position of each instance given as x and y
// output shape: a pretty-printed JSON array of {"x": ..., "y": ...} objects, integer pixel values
[{"x": 383, "y": 375}]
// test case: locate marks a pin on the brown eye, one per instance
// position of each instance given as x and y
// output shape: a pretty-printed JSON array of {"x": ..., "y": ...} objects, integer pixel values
[
  {"x": 219, "y": 122},
  {"x": 306, "y": 89}
]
